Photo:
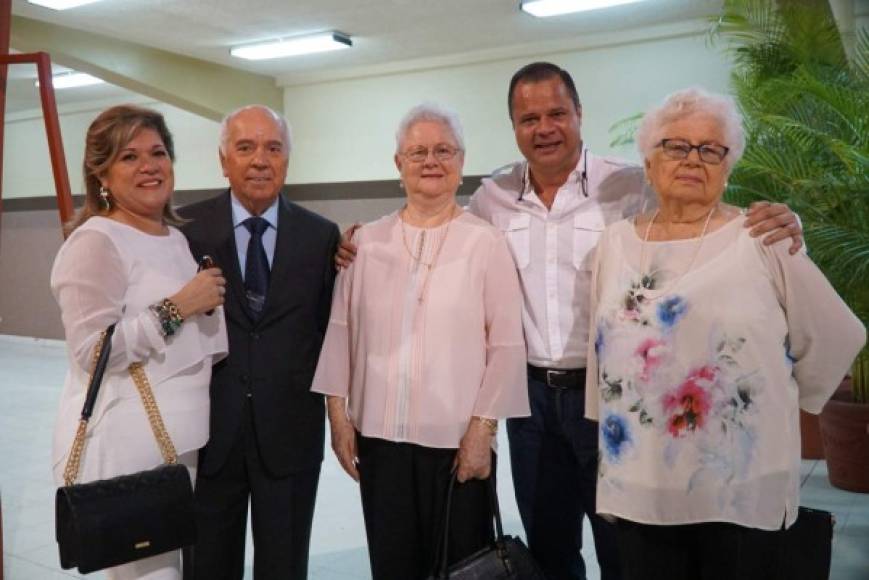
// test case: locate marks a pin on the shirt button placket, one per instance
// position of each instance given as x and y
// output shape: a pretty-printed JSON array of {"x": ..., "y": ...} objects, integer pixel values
[{"x": 552, "y": 310}]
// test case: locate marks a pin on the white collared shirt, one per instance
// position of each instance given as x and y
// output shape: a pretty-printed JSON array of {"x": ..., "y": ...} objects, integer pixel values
[
  {"x": 553, "y": 248},
  {"x": 242, "y": 235}
]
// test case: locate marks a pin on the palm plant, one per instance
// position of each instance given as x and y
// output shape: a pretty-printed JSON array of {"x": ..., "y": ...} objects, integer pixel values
[{"x": 805, "y": 108}]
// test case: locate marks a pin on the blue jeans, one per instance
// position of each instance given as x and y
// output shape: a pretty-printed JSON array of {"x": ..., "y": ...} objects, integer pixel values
[{"x": 553, "y": 455}]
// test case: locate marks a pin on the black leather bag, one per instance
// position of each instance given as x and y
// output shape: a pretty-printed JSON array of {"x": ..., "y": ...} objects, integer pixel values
[
  {"x": 507, "y": 558},
  {"x": 110, "y": 522},
  {"x": 809, "y": 546}
]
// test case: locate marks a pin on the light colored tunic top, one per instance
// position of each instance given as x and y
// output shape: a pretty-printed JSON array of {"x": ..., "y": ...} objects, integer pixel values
[
  {"x": 553, "y": 248},
  {"x": 110, "y": 272},
  {"x": 417, "y": 371},
  {"x": 697, "y": 380}
]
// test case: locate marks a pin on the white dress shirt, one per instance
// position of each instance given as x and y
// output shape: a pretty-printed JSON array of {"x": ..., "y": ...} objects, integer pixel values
[
  {"x": 553, "y": 247},
  {"x": 242, "y": 234}
]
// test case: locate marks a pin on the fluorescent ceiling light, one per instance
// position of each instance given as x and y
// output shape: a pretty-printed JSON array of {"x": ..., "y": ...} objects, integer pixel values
[
  {"x": 61, "y": 4},
  {"x": 544, "y": 8},
  {"x": 293, "y": 46},
  {"x": 73, "y": 80}
]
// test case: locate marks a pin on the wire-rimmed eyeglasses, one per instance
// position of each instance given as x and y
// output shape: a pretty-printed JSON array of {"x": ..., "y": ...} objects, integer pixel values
[{"x": 441, "y": 152}]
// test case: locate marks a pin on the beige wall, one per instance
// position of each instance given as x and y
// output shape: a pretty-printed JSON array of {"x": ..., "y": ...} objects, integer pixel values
[{"x": 28, "y": 242}]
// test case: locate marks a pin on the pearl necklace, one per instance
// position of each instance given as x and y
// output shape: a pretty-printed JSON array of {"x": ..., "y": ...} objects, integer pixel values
[
  {"x": 418, "y": 257},
  {"x": 647, "y": 276}
]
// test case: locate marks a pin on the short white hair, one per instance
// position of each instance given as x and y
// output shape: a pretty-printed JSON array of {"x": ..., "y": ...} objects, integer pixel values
[
  {"x": 434, "y": 113},
  {"x": 286, "y": 131},
  {"x": 688, "y": 102}
]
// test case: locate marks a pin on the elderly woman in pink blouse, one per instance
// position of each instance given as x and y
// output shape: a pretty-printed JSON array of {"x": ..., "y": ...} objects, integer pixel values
[{"x": 423, "y": 355}]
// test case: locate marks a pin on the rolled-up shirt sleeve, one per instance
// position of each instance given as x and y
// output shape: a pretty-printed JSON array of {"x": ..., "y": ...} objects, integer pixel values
[
  {"x": 504, "y": 389},
  {"x": 89, "y": 281},
  {"x": 824, "y": 336},
  {"x": 333, "y": 368}
]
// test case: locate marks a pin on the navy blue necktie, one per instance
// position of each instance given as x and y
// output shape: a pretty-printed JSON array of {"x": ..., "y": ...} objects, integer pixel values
[{"x": 256, "y": 269}]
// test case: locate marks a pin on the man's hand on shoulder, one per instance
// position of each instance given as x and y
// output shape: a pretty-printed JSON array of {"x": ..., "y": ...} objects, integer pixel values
[
  {"x": 346, "y": 252},
  {"x": 777, "y": 221}
]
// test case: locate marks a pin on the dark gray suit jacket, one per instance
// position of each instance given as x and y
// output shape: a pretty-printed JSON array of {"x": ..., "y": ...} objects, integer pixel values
[{"x": 272, "y": 359}]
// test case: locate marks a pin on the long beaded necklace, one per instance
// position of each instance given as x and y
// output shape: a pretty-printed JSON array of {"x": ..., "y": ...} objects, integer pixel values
[
  {"x": 418, "y": 257},
  {"x": 647, "y": 276}
]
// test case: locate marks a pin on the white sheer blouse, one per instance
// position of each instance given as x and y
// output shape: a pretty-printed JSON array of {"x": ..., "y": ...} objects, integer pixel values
[{"x": 108, "y": 272}]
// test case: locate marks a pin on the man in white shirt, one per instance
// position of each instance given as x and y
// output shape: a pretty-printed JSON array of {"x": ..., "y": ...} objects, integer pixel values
[{"x": 552, "y": 207}]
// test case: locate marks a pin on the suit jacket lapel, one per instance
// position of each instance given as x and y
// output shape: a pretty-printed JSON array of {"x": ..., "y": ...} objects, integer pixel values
[{"x": 227, "y": 259}]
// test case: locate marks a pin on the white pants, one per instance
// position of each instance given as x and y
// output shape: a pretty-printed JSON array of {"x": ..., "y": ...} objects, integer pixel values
[{"x": 163, "y": 566}]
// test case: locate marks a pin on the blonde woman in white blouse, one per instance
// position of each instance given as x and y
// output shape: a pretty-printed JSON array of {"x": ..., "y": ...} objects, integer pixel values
[
  {"x": 423, "y": 355},
  {"x": 124, "y": 263},
  {"x": 705, "y": 344}
]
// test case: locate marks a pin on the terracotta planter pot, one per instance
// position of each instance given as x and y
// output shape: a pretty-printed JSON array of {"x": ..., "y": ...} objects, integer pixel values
[
  {"x": 811, "y": 445},
  {"x": 845, "y": 432}
]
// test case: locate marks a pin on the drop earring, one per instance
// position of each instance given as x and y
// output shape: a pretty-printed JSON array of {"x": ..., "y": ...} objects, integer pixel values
[{"x": 104, "y": 198}]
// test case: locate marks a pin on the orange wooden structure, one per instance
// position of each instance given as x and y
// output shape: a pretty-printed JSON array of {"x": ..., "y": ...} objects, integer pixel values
[
  {"x": 49, "y": 113},
  {"x": 52, "y": 131}
]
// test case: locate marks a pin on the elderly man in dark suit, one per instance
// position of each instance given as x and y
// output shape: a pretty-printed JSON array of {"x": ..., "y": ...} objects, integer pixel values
[{"x": 267, "y": 428}]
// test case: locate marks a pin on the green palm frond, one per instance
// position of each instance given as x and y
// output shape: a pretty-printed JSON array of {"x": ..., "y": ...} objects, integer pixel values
[
  {"x": 806, "y": 116},
  {"x": 623, "y": 131}
]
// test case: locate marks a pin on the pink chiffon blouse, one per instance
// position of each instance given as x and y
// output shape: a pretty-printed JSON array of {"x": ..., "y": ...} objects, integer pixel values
[{"x": 418, "y": 351}]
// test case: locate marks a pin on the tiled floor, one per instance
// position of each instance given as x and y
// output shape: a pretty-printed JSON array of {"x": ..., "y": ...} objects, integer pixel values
[{"x": 31, "y": 373}]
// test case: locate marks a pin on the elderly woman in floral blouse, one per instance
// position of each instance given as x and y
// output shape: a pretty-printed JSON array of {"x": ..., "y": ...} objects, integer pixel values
[{"x": 706, "y": 345}]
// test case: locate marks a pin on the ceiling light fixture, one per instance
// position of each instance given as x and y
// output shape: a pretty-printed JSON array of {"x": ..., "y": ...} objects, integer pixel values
[
  {"x": 61, "y": 4},
  {"x": 544, "y": 8},
  {"x": 73, "y": 80},
  {"x": 293, "y": 46}
]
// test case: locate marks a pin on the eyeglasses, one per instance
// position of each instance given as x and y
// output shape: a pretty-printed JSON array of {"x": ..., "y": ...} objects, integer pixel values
[
  {"x": 679, "y": 149},
  {"x": 441, "y": 152}
]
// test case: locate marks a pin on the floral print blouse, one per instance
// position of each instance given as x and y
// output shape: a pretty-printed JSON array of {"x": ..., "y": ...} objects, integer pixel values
[{"x": 696, "y": 377}]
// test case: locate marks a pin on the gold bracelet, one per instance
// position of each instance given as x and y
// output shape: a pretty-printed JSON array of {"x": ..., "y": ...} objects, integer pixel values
[{"x": 492, "y": 424}]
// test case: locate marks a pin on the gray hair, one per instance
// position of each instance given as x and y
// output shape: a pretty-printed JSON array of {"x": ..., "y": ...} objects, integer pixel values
[
  {"x": 279, "y": 119},
  {"x": 434, "y": 113},
  {"x": 687, "y": 102}
]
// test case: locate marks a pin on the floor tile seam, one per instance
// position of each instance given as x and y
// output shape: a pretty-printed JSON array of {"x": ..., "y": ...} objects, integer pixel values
[
  {"x": 29, "y": 561},
  {"x": 809, "y": 474}
]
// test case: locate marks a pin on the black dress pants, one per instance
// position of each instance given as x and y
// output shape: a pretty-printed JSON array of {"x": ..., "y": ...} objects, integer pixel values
[
  {"x": 404, "y": 488},
  {"x": 282, "y": 512},
  {"x": 705, "y": 551}
]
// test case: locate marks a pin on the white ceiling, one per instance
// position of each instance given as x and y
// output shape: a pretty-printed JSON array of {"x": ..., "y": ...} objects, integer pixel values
[{"x": 383, "y": 31}]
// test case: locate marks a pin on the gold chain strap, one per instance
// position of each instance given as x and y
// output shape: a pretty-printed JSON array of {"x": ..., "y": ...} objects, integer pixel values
[
  {"x": 167, "y": 448},
  {"x": 70, "y": 472},
  {"x": 164, "y": 441}
]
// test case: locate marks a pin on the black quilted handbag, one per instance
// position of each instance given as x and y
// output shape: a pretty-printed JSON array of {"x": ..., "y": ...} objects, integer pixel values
[
  {"x": 110, "y": 522},
  {"x": 507, "y": 558}
]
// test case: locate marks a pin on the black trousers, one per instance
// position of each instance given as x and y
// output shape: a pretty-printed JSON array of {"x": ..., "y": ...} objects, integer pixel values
[
  {"x": 705, "y": 551},
  {"x": 282, "y": 511},
  {"x": 554, "y": 454},
  {"x": 404, "y": 489}
]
